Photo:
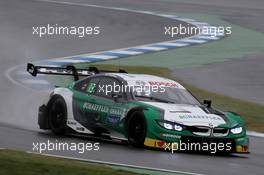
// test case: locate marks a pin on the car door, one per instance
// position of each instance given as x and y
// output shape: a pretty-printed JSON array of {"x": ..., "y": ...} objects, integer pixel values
[
  {"x": 116, "y": 106},
  {"x": 94, "y": 106},
  {"x": 84, "y": 110}
]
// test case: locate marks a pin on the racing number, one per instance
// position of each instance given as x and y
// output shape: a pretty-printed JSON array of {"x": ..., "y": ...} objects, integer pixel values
[{"x": 91, "y": 88}]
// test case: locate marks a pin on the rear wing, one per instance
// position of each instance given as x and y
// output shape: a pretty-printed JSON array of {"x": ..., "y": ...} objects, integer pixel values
[{"x": 68, "y": 70}]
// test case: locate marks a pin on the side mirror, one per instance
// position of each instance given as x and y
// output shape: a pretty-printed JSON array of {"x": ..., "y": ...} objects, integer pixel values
[
  {"x": 207, "y": 103},
  {"x": 116, "y": 97}
]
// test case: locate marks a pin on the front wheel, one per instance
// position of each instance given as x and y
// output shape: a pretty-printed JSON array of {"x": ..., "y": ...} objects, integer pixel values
[
  {"x": 137, "y": 129},
  {"x": 58, "y": 115}
]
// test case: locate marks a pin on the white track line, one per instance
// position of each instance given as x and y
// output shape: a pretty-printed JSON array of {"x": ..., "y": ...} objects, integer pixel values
[
  {"x": 116, "y": 164},
  {"x": 25, "y": 73},
  {"x": 255, "y": 134},
  {"x": 200, "y": 23},
  {"x": 146, "y": 12},
  {"x": 185, "y": 19},
  {"x": 169, "y": 16},
  {"x": 37, "y": 81},
  {"x": 97, "y": 6},
  {"x": 22, "y": 72},
  {"x": 16, "y": 82}
]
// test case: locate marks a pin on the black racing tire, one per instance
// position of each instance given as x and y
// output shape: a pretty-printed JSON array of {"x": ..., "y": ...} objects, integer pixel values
[
  {"x": 57, "y": 115},
  {"x": 136, "y": 129}
]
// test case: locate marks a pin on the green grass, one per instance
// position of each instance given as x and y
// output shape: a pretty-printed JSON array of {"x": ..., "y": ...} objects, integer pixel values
[
  {"x": 20, "y": 163},
  {"x": 252, "y": 113}
]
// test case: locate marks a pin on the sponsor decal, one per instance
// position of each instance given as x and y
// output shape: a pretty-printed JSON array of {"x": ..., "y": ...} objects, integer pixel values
[
  {"x": 71, "y": 123},
  {"x": 160, "y": 143},
  {"x": 166, "y": 84},
  {"x": 170, "y": 135},
  {"x": 242, "y": 149},
  {"x": 113, "y": 119},
  {"x": 154, "y": 143},
  {"x": 95, "y": 107},
  {"x": 104, "y": 109},
  {"x": 140, "y": 83},
  {"x": 80, "y": 128},
  {"x": 200, "y": 117},
  {"x": 117, "y": 111}
]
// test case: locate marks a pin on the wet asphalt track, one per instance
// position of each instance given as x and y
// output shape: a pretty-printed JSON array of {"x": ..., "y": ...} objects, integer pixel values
[{"x": 18, "y": 128}]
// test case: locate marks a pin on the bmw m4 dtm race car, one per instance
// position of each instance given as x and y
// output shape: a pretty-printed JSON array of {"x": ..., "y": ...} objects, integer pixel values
[{"x": 145, "y": 110}]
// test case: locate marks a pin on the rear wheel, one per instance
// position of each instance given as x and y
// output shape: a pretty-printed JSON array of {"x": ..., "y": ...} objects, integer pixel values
[
  {"x": 137, "y": 129},
  {"x": 58, "y": 115}
]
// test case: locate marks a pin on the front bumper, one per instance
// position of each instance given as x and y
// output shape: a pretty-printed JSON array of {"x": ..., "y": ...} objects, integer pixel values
[
  {"x": 199, "y": 144},
  {"x": 159, "y": 137}
]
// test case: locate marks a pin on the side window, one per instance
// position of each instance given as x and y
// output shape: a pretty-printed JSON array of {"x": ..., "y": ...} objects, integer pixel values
[
  {"x": 107, "y": 86},
  {"x": 87, "y": 85}
]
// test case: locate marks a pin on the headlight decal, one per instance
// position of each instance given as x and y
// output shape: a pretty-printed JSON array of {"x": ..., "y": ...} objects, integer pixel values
[
  {"x": 236, "y": 130},
  {"x": 170, "y": 125},
  {"x": 178, "y": 127}
]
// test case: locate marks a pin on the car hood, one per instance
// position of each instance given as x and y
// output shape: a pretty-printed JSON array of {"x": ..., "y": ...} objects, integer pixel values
[{"x": 188, "y": 115}]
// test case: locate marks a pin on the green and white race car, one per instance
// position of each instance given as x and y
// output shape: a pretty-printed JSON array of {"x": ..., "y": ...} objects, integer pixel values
[{"x": 144, "y": 109}]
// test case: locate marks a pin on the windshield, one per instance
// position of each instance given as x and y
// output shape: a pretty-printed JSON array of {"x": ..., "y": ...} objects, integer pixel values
[{"x": 168, "y": 94}]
